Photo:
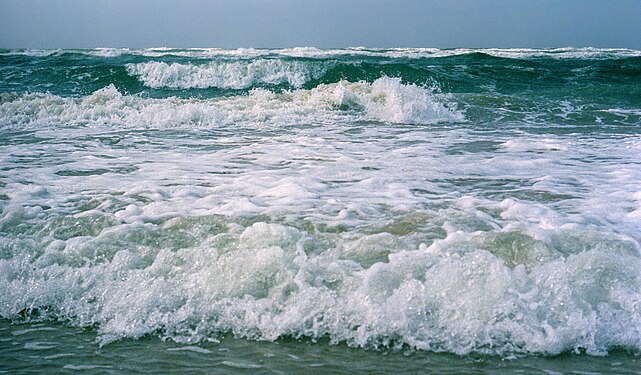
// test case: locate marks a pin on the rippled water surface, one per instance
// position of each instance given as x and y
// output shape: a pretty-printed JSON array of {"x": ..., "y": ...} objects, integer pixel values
[{"x": 61, "y": 349}]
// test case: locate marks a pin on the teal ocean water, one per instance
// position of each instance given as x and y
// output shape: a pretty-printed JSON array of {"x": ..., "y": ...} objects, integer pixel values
[{"x": 320, "y": 211}]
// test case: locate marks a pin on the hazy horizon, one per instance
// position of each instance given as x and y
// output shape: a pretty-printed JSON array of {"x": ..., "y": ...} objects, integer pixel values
[{"x": 330, "y": 24}]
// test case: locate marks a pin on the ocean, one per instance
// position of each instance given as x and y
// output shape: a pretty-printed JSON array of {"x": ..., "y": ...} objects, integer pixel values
[{"x": 303, "y": 210}]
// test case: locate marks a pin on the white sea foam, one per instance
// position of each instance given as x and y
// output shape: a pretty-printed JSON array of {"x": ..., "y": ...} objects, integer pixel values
[
  {"x": 189, "y": 348},
  {"x": 108, "y": 52},
  {"x": 386, "y": 99},
  {"x": 411, "y": 53},
  {"x": 456, "y": 296},
  {"x": 534, "y": 145},
  {"x": 32, "y": 52},
  {"x": 388, "y": 242},
  {"x": 31, "y": 330},
  {"x": 192, "y": 218},
  {"x": 205, "y": 53},
  {"x": 225, "y": 74},
  {"x": 241, "y": 365},
  {"x": 39, "y": 345},
  {"x": 105, "y": 107},
  {"x": 562, "y": 53},
  {"x": 312, "y": 52}
]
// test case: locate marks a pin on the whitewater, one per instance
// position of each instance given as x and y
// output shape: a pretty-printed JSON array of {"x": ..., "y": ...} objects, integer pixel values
[{"x": 484, "y": 203}]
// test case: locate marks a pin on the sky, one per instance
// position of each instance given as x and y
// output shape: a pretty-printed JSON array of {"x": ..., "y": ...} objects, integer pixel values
[{"x": 323, "y": 24}]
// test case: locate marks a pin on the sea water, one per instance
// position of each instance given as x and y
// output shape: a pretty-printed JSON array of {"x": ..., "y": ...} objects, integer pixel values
[{"x": 306, "y": 210}]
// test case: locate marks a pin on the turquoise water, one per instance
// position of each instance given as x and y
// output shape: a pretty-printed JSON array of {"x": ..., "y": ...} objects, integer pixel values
[{"x": 392, "y": 210}]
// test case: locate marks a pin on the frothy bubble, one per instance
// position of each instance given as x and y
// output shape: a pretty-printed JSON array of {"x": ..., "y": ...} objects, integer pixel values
[{"x": 266, "y": 281}]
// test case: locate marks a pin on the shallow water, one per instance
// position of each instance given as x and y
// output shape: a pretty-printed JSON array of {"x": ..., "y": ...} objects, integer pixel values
[{"x": 58, "y": 348}]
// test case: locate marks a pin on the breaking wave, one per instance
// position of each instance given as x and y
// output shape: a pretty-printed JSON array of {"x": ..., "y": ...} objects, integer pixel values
[
  {"x": 194, "y": 279},
  {"x": 385, "y": 100},
  {"x": 229, "y": 75}
]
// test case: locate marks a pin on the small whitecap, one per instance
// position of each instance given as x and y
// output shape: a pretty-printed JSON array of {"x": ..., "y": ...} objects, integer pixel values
[{"x": 195, "y": 349}]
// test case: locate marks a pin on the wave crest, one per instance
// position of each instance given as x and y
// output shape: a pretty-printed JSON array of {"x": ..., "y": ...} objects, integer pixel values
[
  {"x": 385, "y": 100},
  {"x": 227, "y": 75}
]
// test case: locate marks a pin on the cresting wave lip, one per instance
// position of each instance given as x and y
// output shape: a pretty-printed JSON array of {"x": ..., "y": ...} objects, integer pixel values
[{"x": 386, "y": 100}]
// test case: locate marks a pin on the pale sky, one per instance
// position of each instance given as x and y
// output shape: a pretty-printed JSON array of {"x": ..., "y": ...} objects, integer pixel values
[{"x": 323, "y": 24}]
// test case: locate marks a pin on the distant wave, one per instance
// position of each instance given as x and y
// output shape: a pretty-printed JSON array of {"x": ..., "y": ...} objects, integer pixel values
[
  {"x": 312, "y": 52},
  {"x": 221, "y": 74}
]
